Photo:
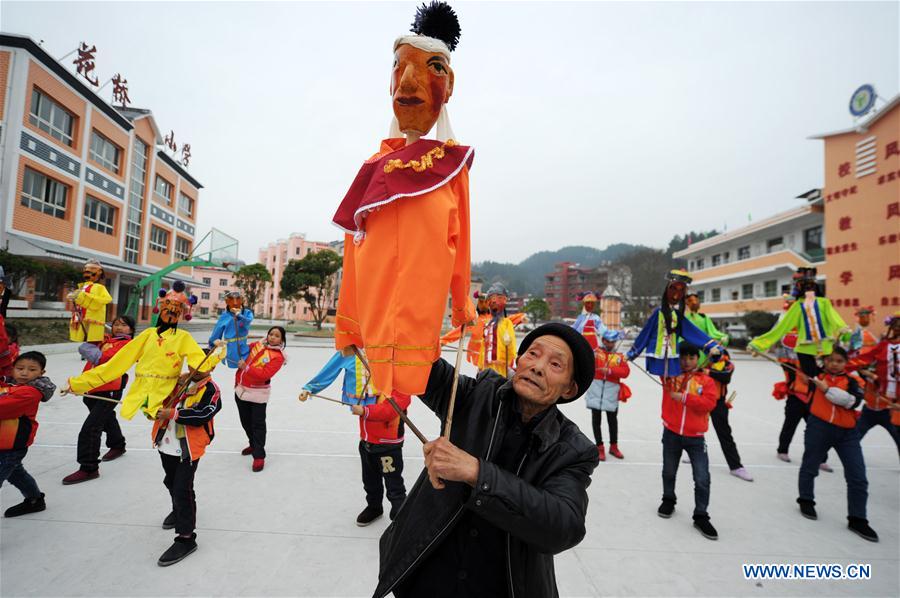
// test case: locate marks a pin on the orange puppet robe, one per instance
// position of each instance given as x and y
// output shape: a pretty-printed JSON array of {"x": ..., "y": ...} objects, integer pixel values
[
  {"x": 407, "y": 245},
  {"x": 476, "y": 339}
]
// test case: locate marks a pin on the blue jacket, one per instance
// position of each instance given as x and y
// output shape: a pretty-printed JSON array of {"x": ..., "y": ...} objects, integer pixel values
[
  {"x": 653, "y": 339},
  {"x": 233, "y": 330},
  {"x": 354, "y": 391}
]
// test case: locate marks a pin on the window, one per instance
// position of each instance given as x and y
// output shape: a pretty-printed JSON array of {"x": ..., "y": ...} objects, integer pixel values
[
  {"x": 812, "y": 239},
  {"x": 770, "y": 288},
  {"x": 163, "y": 188},
  {"x": 700, "y": 263},
  {"x": 716, "y": 260},
  {"x": 44, "y": 194},
  {"x": 297, "y": 251},
  {"x": 223, "y": 282},
  {"x": 221, "y": 295},
  {"x": 99, "y": 216},
  {"x": 104, "y": 152},
  {"x": 775, "y": 244},
  {"x": 136, "y": 201},
  {"x": 182, "y": 248},
  {"x": 204, "y": 295},
  {"x": 50, "y": 117},
  {"x": 785, "y": 289},
  {"x": 734, "y": 295},
  {"x": 744, "y": 252},
  {"x": 207, "y": 281},
  {"x": 726, "y": 257},
  {"x": 159, "y": 239},
  {"x": 204, "y": 311},
  {"x": 701, "y": 295},
  {"x": 185, "y": 205},
  {"x": 747, "y": 291},
  {"x": 716, "y": 295}
]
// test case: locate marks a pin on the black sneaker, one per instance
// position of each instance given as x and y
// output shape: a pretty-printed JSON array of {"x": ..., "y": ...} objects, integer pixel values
[
  {"x": 169, "y": 521},
  {"x": 178, "y": 550},
  {"x": 861, "y": 528},
  {"x": 705, "y": 527},
  {"x": 808, "y": 509},
  {"x": 368, "y": 515},
  {"x": 666, "y": 509},
  {"x": 29, "y": 505}
]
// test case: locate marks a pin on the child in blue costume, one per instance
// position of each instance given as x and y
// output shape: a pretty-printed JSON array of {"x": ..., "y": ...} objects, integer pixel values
[
  {"x": 233, "y": 327},
  {"x": 667, "y": 327}
]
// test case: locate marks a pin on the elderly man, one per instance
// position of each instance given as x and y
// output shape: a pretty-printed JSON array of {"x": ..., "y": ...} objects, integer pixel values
[{"x": 508, "y": 490}]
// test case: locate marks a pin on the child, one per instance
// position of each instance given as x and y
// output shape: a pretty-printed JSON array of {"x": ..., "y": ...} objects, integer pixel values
[
  {"x": 182, "y": 431},
  {"x": 687, "y": 401},
  {"x": 19, "y": 400},
  {"x": 380, "y": 433},
  {"x": 606, "y": 391},
  {"x": 832, "y": 423},
  {"x": 101, "y": 414},
  {"x": 252, "y": 384}
]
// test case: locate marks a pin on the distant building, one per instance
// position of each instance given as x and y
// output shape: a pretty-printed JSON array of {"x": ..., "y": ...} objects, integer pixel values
[
  {"x": 749, "y": 268},
  {"x": 862, "y": 213},
  {"x": 569, "y": 280},
  {"x": 275, "y": 257},
  {"x": 211, "y": 300},
  {"x": 82, "y": 179}
]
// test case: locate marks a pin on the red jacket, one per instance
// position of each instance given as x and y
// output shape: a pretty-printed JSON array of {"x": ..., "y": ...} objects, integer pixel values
[
  {"x": 18, "y": 413},
  {"x": 6, "y": 357},
  {"x": 380, "y": 424},
  {"x": 263, "y": 362},
  {"x": 690, "y": 418},
  {"x": 111, "y": 346}
]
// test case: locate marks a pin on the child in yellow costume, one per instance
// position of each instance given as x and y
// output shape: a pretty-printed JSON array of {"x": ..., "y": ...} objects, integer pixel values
[
  {"x": 159, "y": 353},
  {"x": 89, "y": 306}
]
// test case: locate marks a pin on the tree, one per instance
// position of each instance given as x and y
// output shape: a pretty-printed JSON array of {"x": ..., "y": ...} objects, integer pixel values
[
  {"x": 19, "y": 268},
  {"x": 537, "y": 310},
  {"x": 252, "y": 279},
  {"x": 311, "y": 279},
  {"x": 758, "y": 322}
]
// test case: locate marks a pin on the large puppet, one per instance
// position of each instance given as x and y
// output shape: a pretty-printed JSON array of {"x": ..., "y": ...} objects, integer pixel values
[
  {"x": 666, "y": 327},
  {"x": 159, "y": 352},
  {"x": 232, "y": 327},
  {"x": 818, "y": 324},
  {"x": 406, "y": 216},
  {"x": 89, "y": 301},
  {"x": 476, "y": 336},
  {"x": 498, "y": 351},
  {"x": 862, "y": 337},
  {"x": 588, "y": 323}
]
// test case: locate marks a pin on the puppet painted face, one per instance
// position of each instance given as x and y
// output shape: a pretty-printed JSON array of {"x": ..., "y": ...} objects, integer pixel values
[
  {"x": 92, "y": 273},
  {"x": 675, "y": 292},
  {"x": 421, "y": 83},
  {"x": 234, "y": 301},
  {"x": 170, "y": 311},
  {"x": 497, "y": 303},
  {"x": 864, "y": 318},
  {"x": 589, "y": 306}
]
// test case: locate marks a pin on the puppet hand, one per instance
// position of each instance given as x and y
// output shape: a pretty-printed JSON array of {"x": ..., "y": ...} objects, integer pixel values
[
  {"x": 677, "y": 396},
  {"x": 304, "y": 394},
  {"x": 165, "y": 413},
  {"x": 357, "y": 409},
  {"x": 447, "y": 462},
  {"x": 241, "y": 364},
  {"x": 64, "y": 390},
  {"x": 218, "y": 343},
  {"x": 235, "y": 310},
  {"x": 73, "y": 295}
]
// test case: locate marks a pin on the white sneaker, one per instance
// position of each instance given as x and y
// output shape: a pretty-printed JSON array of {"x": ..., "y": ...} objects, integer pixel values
[
  {"x": 742, "y": 473},
  {"x": 685, "y": 459},
  {"x": 826, "y": 467},
  {"x": 784, "y": 457}
]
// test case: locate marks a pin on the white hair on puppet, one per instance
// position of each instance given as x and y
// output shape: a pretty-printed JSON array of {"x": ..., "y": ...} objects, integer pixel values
[{"x": 424, "y": 43}]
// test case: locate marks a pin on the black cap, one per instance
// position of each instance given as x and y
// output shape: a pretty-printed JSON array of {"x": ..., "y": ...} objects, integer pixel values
[{"x": 582, "y": 353}]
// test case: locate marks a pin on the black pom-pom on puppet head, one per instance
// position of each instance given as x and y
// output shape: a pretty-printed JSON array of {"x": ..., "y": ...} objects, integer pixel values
[
  {"x": 178, "y": 286},
  {"x": 437, "y": 20}
]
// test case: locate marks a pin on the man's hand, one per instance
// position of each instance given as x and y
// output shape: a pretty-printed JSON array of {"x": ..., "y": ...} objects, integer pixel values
[
  {"x": 304, "y": 394},
  {"x": 241, "y": 364},
  {"x": 357, "y": 409},
  {"x": 64, "y": 390},
  {"x": 165, "y": 413},
  {"x": 820, "y": 384},
  {"x": 447, "y": 462},
  {"x": 677, "y": 396}
]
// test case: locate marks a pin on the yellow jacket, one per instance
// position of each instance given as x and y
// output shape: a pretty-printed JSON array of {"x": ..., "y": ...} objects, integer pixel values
[
  {"x": 159, "y": 360},
  {"x": 498, "y": 351},
  {"x": 90, "y": 308}
]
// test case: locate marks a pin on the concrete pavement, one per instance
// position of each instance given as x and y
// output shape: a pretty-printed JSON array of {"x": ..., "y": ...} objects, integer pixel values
[{"x": 290, "y": 530}]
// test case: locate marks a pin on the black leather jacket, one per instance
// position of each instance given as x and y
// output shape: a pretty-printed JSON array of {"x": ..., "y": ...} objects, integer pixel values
[{"x": 542, "y": 508}]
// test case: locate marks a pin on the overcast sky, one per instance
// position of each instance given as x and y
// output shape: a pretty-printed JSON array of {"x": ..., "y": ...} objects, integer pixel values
[{"x": 593, "y": 123}]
